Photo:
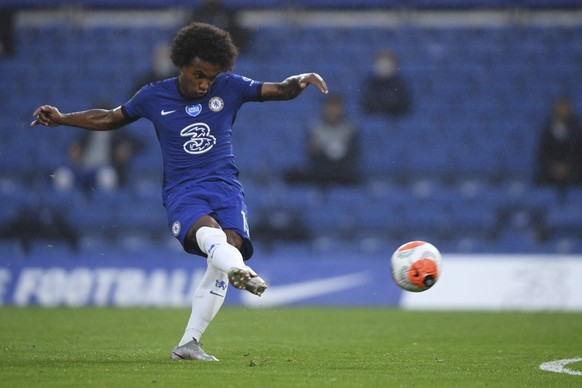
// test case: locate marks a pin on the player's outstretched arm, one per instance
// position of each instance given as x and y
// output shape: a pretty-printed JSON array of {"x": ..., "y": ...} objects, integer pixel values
[
  {"x": 93, "y": 119},
  {"x": 292, "y": 87}
]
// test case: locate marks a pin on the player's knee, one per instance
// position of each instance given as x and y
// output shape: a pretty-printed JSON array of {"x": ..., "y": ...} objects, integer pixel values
[{"x": 206, "y": 236}]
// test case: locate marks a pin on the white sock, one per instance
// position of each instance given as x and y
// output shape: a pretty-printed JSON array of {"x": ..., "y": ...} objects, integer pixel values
[
  {"x": 208, "y": 298},
  {"x": 221, "y": 255}
]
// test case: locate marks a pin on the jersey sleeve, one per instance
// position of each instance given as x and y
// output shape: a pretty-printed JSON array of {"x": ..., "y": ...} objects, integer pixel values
[
  {"x": 135, "y": 108},
  {"x": 249, "y": 89}
]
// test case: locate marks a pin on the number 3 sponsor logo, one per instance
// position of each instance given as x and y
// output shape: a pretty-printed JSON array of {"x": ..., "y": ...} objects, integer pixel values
[{"x": 200, "y": 140}]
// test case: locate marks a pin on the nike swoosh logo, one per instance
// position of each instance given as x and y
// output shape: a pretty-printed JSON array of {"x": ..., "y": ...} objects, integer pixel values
[
  {"x": 163, "y": 112},
  {"x": 216, "y": 293},
  {"x": 290, "y": 293}
]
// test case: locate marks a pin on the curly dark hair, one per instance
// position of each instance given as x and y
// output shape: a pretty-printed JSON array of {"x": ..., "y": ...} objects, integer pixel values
[{"x": 206, "y": 42}]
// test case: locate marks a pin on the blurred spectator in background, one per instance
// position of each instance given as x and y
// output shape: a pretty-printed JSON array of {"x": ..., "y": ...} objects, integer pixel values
[
  {"x": 217, "y": 13},
  {"x": 98, "y": 160},
  {"x": 40, "y": 221},
  {"x": 161, "y": 67},
  {"x": 559, "y": 156},
  {"x": 333, "y": 149},
  {"x": 385, "y": 91},
  {"x": 6, "y": 32}
]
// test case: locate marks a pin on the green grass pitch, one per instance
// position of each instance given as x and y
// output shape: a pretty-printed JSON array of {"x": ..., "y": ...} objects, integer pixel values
[{"x": 288, "y": 347}]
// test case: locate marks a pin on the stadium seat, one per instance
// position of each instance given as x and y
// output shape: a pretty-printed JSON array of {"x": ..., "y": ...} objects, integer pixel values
[{"x": 478, "y": 108}]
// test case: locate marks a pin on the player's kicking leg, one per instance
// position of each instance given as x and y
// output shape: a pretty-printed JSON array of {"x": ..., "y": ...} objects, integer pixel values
[
  {"x": 225, "y": 264},
  {"x": 227, "y": 258}
]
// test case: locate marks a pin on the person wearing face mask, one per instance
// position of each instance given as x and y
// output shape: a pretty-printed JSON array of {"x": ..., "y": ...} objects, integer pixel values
[
  {"x": 332, "y": 149},
  {"x": 559, "y": 155},
  {"x": 385, "y": 91}
]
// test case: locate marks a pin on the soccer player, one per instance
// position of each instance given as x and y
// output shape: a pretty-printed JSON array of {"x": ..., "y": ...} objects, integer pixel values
[{"x": 193, "y": 115}]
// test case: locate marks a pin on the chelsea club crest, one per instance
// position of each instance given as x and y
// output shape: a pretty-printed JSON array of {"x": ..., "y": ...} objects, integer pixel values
[
  {"x": 216, "y": 104},
  {"x": 176, "y": 228}
]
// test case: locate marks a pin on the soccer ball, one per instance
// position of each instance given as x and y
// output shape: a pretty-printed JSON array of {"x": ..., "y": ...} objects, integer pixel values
[{"x": 416, "y": 266}]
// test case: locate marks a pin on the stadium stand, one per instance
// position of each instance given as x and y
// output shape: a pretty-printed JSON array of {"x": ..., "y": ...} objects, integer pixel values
[{"x": 456, "y": 172}]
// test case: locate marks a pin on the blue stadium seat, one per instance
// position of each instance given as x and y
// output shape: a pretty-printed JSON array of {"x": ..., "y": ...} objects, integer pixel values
[
  {"x": 517, "y": 242},
  {"x": 478, "y": 108}
]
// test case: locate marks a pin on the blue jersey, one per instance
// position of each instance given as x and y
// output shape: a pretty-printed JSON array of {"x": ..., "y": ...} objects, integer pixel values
[{"x": 195, "y": 135}]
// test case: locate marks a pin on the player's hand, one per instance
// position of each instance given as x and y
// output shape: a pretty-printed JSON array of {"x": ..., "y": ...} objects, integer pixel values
[
  {"x": 313, "y": 79},
  {"x": 46, "y": 115}
]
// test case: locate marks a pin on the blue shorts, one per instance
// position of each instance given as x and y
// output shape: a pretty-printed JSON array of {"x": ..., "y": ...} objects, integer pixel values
[{"x": 221, "y": 201}]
